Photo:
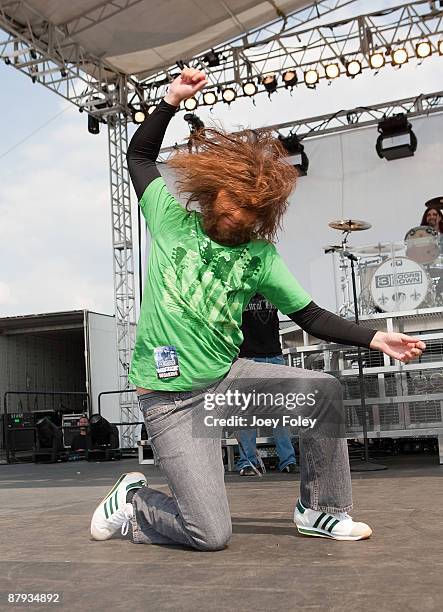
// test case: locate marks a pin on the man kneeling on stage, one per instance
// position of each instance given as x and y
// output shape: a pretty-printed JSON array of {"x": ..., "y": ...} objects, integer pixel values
[{"x": 203, "y": 269}]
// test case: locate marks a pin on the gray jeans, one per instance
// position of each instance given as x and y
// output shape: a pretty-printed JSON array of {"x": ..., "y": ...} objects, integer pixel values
[{"x": 197, "y": 513}]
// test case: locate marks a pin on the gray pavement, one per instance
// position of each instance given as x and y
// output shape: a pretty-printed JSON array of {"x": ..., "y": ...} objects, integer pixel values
[{"x": 45, "y": 546}]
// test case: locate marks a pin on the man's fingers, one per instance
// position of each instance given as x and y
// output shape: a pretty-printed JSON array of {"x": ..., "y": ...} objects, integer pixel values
[
  {"x": 192, "y": 75},
  {"x": 201, "y": 85},
  {"x": 411, "y": 339},
  {"x": 198, "y": 76},
  {"x": 417, "y": 345},
  {"x": 416, "y": 352},
  {"x": 416, "y": 342}
]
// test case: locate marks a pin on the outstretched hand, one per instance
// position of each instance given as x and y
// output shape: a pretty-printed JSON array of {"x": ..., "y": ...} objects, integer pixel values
[
  {"x": 397, "y": 345},
  {"x": 185, "y": 86}
]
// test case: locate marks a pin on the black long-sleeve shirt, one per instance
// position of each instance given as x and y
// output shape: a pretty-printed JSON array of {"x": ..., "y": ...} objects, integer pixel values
[{"x": 142, "y": 153}]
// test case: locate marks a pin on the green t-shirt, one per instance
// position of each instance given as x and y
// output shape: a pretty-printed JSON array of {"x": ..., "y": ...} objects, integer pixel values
[{"x": 188, "y": 333}]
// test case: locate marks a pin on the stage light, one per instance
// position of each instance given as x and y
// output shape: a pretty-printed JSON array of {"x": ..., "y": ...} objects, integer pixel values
[
  {"x": 290, "y": 78},
  {"x": 353, "y": 68},
  {"x": 228, "y": 95},
  {"x": 102, "y": 432},
  {"x": 249, "y": 88},
  {"x": 377, "y": 60},
  {"x": 93, "y": 125},
  {"x": 48, "y": 434},
  {"x": 332, "y": 71},
  {"x": 270, "y": 83},
  {"x": 440, "y": 47},
  {"x": 399, "y": 57},
  {"x": 311, "y": 77},
  {"x": 396, "y": 139},
  {"x": 296, "y": 153},
  {"x": 191, "y": 104},
  {"x": 194, "y": 122},
  {"x": 423, "y": 49},
  {"x": 209, "y": 98},
  {"x": 138, "y": 115},
  {"x": 212, "y": 59}
]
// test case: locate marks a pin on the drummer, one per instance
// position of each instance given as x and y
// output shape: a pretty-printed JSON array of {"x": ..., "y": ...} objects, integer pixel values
[{"x": 433, "y": 218}]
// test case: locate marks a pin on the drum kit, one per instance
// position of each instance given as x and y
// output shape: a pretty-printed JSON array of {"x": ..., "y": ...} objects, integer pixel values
[{"x": 391, "y": 276}]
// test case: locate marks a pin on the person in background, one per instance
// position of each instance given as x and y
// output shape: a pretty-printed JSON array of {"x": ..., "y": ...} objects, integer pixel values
[
  {"x": 261, "y": 342},
  {"x": 82, "y": 441},
  {"x": 433, "y": 218}
]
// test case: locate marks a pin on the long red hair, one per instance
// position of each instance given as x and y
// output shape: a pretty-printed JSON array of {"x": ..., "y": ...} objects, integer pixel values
[{"x": 250, "y": 165}]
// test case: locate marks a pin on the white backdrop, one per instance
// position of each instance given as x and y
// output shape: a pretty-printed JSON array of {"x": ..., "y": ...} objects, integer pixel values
[{"x": 347, "y": 179}]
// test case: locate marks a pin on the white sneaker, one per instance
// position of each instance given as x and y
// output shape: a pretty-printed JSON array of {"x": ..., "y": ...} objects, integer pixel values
[
  {"x": 339, "y": 526},
  {"x": 113, "y": 512}
]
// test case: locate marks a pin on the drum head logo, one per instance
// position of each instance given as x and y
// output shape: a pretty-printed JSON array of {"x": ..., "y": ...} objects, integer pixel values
[{"x": 400, "y": 279}]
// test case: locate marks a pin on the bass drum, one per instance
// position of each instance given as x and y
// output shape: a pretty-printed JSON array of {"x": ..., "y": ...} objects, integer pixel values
[{"x": 400, "y": 284}]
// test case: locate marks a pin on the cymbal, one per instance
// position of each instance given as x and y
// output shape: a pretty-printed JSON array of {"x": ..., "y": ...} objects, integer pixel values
[
  {"x": 435, "y": 202},
  {"x": 378, "y": 249},
  {"x": 349, "y": 225}
]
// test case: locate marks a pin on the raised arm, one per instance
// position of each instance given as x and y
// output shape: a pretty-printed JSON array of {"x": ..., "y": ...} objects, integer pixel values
[{"x": 145, "y": 144}]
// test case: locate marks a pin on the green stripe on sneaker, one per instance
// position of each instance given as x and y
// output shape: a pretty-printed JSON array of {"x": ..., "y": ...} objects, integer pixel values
[
  {"x": 322, "y": 515},
  {"x": 110, "y": 505},
  {"x": 106, "y": 510},
  {"x": 300, "y": 507},
  {"x": 114, "y": 487},
  {"x": 313, "y": 532},
  {"x": 332, "y": 525},
  {"x": 135, "y": 485},
  {"x": 116, "y": 501},
  {"x": 326, "y": 522}
]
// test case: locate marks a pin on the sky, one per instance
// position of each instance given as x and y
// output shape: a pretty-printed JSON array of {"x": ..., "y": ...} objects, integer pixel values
[{"x": 55, "y": 223}]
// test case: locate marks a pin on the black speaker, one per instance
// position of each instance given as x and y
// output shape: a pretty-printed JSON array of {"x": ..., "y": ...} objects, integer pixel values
[{"x": 20, "y": 431}]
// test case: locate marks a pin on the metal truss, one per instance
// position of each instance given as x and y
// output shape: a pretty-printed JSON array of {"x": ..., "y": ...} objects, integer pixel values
[
  {"x": 123, "y": 260},
  {"x": 273, "y": 52},
  {"x": 49, "y": 56},
  {"x": 344, "y": 120}
]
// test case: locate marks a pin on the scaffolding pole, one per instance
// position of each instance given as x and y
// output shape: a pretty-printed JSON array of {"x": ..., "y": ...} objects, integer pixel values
[{"x": 123, "y": 262}]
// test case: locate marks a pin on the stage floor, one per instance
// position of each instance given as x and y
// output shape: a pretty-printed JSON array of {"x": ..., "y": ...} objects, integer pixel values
[{"x": 45, "y": 512}]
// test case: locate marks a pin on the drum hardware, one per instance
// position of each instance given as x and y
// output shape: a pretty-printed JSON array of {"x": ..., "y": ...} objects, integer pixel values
[
  {"x": 378, "y": 249},
  {"x": 345, "y": 310},
  {"x": 436, "y": 276},
  {"x": 347, "y": 227},
  {"x": 411, "y": 277},
  {"x": 422, "y": 244}
]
